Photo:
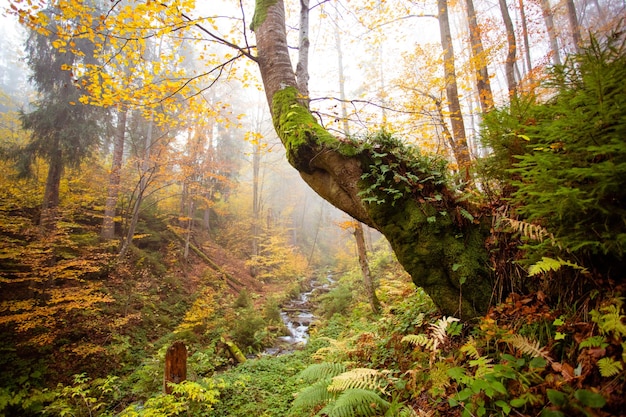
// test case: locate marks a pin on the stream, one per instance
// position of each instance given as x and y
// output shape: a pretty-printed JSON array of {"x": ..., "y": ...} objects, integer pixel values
[{"x": 297, "y": 315}]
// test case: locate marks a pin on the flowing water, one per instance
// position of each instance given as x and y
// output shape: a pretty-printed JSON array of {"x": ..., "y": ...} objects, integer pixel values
[{"x": 297, "y": 314}]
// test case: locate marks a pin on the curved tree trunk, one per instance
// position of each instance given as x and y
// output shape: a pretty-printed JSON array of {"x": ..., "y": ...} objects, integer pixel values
[{"x": 441, "y": 256}]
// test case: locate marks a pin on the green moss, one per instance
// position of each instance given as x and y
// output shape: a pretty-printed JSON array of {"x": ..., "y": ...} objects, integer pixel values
[
  {"x": 447, "y": 260},
  {"x": 298, "y": 130},
  {"x": 260, "y": 12}
]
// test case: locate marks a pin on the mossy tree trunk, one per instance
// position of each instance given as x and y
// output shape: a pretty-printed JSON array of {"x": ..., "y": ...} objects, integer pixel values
[{"x": 441, "y": 249}]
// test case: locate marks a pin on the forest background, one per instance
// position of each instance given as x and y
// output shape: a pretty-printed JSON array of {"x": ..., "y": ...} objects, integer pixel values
[{"x": 147, "y": 199}]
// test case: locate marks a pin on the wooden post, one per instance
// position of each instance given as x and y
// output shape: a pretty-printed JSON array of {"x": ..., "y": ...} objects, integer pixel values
[{"x": 175, "y": 365}]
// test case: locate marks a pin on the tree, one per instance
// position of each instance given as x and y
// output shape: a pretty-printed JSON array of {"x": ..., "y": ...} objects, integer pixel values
[
  {"x": 429, "y": 230},
  {"x": 548, "y": 17},
  {"x": 63, "y": 130},
  {"x": 479, "y": 63},
  {"x": 509, "y": 65},
  {"x": 458, "y": 140}
]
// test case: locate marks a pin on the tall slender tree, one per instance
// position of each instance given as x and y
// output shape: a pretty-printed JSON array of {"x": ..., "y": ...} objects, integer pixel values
[
  {"x": 63, "y": 131},
  {"x": 509, "y": 64},
  {"x": 479, "y": 61},
  {"x": 458, "y": 141}
]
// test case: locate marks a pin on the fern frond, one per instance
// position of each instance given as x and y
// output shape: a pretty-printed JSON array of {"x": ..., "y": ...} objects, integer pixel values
[
  {"x": 359, "y": 402},
  {"x": 420, "y": 340},
  {"x": 609, "y": 367},
  {"x": 528, "y": 347},
  {"x": 612, "y": 319},
  {"x": 363, "y": 378},
  {"x": 470, "y": 348},
  {"x": 593, "y": 342},
  {"x": 320, "y": 371},
  {"x": 313, "y": 395},
  {"x": 549, "y": 264},
  {"x": 529, "y": 230},
  {"x": 336, "y": 349},
  {"x": 438, "y": 330}
]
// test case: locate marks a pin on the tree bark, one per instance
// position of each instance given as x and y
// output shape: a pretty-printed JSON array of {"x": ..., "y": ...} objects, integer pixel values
[
  {"x": 548, "y": 17},
  {"x": 459, "y": 144},
  {"x": 440, "y": 256},
  {"x": 485, "y": 95},
  {"x": 368, "y": 282},
  {"x": 529, "y": 63},
  {"x": 50, "y": 205},
  {"x": 512, "y": 49},
  {"x": 302, "y": 68},
  {"x": 175, "y": 366},
  {"x": 144, "y": 180},
  {"x": 572, "y": 16},
  {"x": 108, "y": 223}
]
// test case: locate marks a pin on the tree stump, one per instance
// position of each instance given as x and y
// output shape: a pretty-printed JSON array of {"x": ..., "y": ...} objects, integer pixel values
[{"x": 175, "y": 366}]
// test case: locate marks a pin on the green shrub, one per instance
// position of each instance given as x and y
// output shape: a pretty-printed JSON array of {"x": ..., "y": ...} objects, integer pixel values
[{"x": 563, "y": 161}]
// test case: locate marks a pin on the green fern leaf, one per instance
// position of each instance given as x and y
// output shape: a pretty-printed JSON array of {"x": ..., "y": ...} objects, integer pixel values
[
  {"x": 313, "y": 395},
  {"x": 363, "y": 378},
  {"x": 319, "y": 371},
  {"x": 470, "y": 348},
  {"x": 418, "y": 340},
  {"x": 609, "y": 367},
  {"x": 358, "y": 402},
  {"x": 593, "y": 342},
  {"x": 549, "y": 264}
]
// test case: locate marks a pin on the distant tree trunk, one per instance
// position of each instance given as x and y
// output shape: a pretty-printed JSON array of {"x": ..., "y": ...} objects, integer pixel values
[
  {"x": 483, "y": 83},
  {"x": 175, "y": 366},
  {"x": 529, "y": 64},
  {"x": 572, "y": 16},
  {"x": 342, "y": 80},
  {"x": 548, "y": 18},
  {"x": 256, "y": 199},
  {"x": 50, "y": 205},
  {"x": 512, "y": 49},
  {"x": 108, "y": 223},
  {"x": 141, "y": 189},
  {"x": 368, "y": 282},
  {"x": 302, "y": 68},
  {"x": 459, "y": 144}
]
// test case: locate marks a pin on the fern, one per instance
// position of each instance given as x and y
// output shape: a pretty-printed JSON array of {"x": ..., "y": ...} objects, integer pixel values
[
  {"x": 549, "y": 264},
  {"x": 470, "y": 348},
  {"x": 358, "y": 402},
  {"x": 320, "y": 371},
  {"x": 529, "y": 230},
  {"x": 610, "y": 319},
  {"x": 609, "y": 367},
  {"x": 313, "y": 395},
  {"x": 593, "y": 342},
  {"x": 418, "y": 340},
  {"x": 439, "y": 334},
  {"x": 528, "y": 347},
  {"x": 363, "y": 378}
]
